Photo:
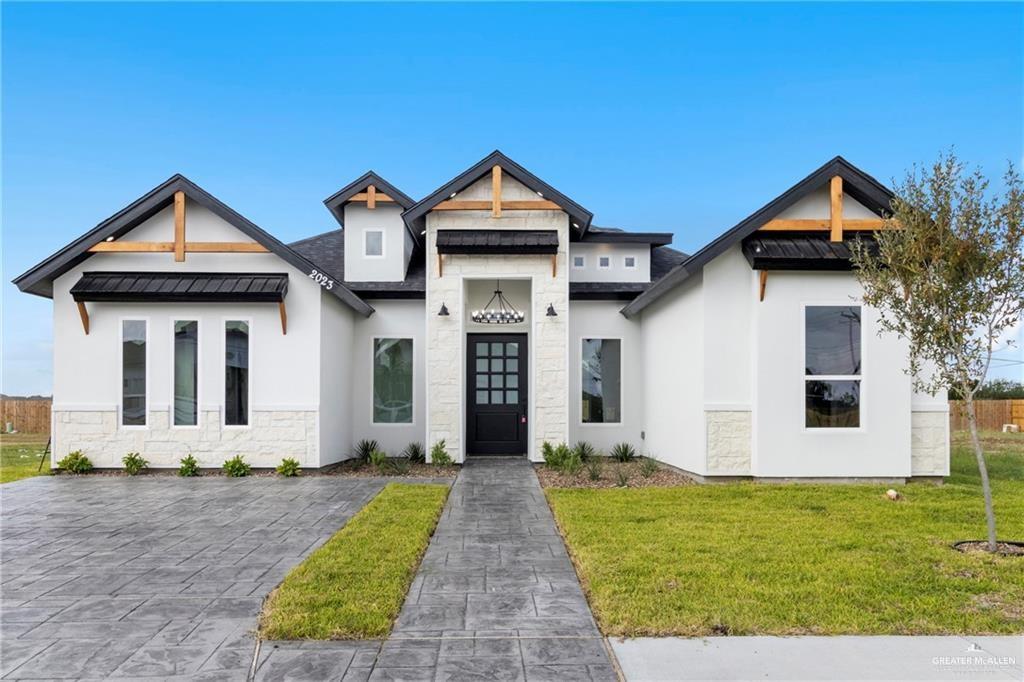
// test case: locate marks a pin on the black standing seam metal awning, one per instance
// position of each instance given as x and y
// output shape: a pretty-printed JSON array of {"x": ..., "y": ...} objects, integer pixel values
[
  {"x": 800, "y": 252},
  {"x": 185, "y": 287},
  {"x": 485, "y": 242}
]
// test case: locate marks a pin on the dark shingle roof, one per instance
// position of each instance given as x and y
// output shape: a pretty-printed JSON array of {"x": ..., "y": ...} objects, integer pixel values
[
  {"x": 181, "y": 287},
  {"x": 614, "y": 235},
  {"x": 497, "y": 241},
  {"x": 663, "y": 259},
  {"x": 327, "y": 251}
]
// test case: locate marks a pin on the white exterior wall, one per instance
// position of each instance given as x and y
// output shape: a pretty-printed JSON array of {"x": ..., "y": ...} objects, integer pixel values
[
  {"x": 446, "y": 336},
  {"x": 399, "y": 320},
  {"x": 284, "y": 369},
  {"x": 337, "y": 323},
  {"x": 673, "y": 355},
  {"x": 818, "y": 204},
  {"x": 616, "y": 270},
  {"x": 387, "y": 218},
  {"x": 601, "y": 320}
]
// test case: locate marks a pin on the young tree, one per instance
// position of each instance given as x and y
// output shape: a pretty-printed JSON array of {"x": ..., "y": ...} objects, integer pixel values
[{"x": 947, "y": 274}]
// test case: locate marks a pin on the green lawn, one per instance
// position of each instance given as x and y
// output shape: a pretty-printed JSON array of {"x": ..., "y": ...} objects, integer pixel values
[
  {"x": 354, "y": 585},
  {"x": 751, "y": 559},
  {"x": 19, "y": 456}
]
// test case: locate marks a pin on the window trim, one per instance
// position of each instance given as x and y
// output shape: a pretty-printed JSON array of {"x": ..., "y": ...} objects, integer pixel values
[
  {"x": 804, "y": 377},
  {"x": 625, "y": 262},
  {"x": 223, "y": 379},
  {"x": 199, "y": 375},
  {"x": 583, "y": 261},
  {"x": 120, "y": 373},
  {"x": 412, "y": 398},
  {"x": 608, "y": 263},
  {"x": 622, "y": 380},
  {"x": 383, "y": 242}
]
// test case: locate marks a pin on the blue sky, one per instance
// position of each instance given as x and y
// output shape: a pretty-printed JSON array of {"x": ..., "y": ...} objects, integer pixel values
[{"x": 681, "y": 117}]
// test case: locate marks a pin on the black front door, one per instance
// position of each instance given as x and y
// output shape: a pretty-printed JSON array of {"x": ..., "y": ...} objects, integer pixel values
[{"x": 496, "y": 394}]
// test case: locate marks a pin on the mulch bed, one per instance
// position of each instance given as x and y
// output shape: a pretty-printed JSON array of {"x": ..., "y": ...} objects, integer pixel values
[
  {"x": 663, "y": 477},
  {"x": 981, "y": 547}
]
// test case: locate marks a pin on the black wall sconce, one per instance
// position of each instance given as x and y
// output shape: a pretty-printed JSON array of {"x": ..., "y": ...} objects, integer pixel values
[
  {"x": 443, "y": 312},
  {"x": 551, "y": 310}
]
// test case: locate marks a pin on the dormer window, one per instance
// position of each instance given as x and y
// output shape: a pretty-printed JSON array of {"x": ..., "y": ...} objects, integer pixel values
[
  {"x": 604, "y": 262},
  {"x": 373, "y": 243},
  {"x": 630, "y": 262},
  {"x": 579, "y": 262}
]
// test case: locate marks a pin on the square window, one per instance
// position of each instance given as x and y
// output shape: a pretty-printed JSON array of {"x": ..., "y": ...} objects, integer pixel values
[
  {"x": 497, "y": 397},
  {"x": 373, "y": 243},
  {"x": 498, "y": 381},
  {"x": 604, "y": 262},
  {"x": 630, "y": 261},
  {"x": 832, "y": 404},
  {"x": 497, "y": 349},
  {"x": 512, "y": 349},
  {"x": 497, "y": 365},
  {"x": 511, "y": 381},
  {"x": 512, "y": 365},
  {"x": 481, "y": 397},
  {"x": 481, "y": 350},
  {"x": 481, "y": 381},
  {"x": 511, "y": 397},
  {"x": 579, "y": 262},
  {"x": 481, "y": 364}
]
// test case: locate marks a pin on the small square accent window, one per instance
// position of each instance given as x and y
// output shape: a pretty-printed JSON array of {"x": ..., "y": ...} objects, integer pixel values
[
  {"x": 630, "y": 261},
  {"x": 373, "y": 243},
  {"x": 579, "y": 262},
  {"x": 604, "y": 262}
]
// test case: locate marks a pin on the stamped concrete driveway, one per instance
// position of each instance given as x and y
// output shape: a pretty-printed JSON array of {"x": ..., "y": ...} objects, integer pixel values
[{"x": 153, "y": 576}]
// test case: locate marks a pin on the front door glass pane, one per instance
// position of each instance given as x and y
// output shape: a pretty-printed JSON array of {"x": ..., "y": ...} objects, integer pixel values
[
  {"x": 497, "y": 349},
  {"x": 497, "y": 365},
  {"x": 481, "y": 397},
  {"x": 497, "y": 398}
]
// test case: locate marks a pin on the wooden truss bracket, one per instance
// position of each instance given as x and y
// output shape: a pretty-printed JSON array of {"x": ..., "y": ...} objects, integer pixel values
[
  {"x": 84, "y": 314},
  {"x": 440, "y": 265},
  {"x": 554, "y": 265},
  {"x": 496, "y": 192},
  {"x": 836, "y": 209},
  {"x": 371, "y": 197},
  {"x": 763, "y": 283},
  {"x": 179, "y": 226},
  {"x": 284, "y": 317}
]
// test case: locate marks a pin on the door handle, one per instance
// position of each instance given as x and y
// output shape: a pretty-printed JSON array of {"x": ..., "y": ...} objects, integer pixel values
[{"x": 522, "y": 419}]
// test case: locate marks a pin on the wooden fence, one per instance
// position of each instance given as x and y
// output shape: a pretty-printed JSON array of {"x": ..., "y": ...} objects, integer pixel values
[
  {"x": 26, "y": 415},
  {"x": 992, "y": 414}
]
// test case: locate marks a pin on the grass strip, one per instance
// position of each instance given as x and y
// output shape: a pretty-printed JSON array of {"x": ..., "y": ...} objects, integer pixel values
[
  {"x": 20, "y": 454},
  {"x": 353, "y": 586},
  {"x": 790, "y": 559}
]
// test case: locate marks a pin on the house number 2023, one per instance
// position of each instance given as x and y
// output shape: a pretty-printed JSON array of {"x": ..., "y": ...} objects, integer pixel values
[{"x": 321, "y": 279}]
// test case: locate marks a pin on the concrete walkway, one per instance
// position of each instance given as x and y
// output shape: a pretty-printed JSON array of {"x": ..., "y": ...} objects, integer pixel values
[
  {"x": 822, "y": 658},
  {"x": 496, "y": 598}
]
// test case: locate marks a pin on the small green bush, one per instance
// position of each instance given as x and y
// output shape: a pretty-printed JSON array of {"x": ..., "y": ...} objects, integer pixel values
[
  {"x": 364, "y": 449},
  {"x": 439, "y": 454},
  {"x": 288, "y": 467},
  {"x": 585, "y": 451},
  {"x": 379, "y": 459},
  {"x": 415, "y": 453},
  {"x": 553, "y": 456},
  {"x": 75, "y": 463},
  {"x": 189, "y": 466},
  {"x": 621, "y": 477},
  {"x": 236, "y": 467},
  {"x": 648, "y": 467},
  {"x": 399, "y": 465},
  {"x": 134, "y": 463},
  {"x": 623, "y": 452},
  {"x": 594, "y": 467},
  {"x": 571, "y": 464}
]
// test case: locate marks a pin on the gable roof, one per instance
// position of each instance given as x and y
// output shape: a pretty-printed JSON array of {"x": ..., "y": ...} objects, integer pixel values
[
  {"x": 39, "y": 279},
  {"x": 336, "y": 202},
  {"x": 872, "y": 194},
  {"x": 327, "y": 251},
  {"x": 415, "y": 217}
]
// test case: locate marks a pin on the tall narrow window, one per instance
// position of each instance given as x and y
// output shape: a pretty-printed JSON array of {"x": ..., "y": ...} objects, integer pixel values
[
  {"x": 373, "y": 243},
  {"x": 832, "y": 366},
  {"x": 186, "y": 373},
  {"x": 133, "y": 373},
  {"x": 392, "y": 381},
  {"x": 236, "y": 375},
  {"x": 601, "y": 379}
]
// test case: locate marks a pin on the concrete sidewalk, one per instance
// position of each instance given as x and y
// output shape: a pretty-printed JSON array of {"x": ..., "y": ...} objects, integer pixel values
[{"x": 821, "y": 658}]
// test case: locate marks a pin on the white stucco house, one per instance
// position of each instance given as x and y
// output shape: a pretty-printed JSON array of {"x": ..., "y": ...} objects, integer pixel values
[{"x": 181, "y": 327}]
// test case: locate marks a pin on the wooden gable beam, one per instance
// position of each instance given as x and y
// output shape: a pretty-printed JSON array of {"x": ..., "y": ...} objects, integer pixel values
[
  {"x": 496, "y": 192},
  {"x": 84, "y": 314},
  {"x": 167, "y": 247},
  {"x": 379, "y": 197},
  {"x": 821, "y": 225},
  {"x": 371, "y": 197},
  {"x": 179, "y": 226},
  {"x": 515, "y": 205},
  {"x": 836, "y": 209}
]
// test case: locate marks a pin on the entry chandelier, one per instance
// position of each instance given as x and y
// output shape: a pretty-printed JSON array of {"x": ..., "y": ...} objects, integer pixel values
[{"x": 503, "y": 313}]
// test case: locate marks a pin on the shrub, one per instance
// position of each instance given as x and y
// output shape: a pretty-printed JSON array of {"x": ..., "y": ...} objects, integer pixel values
[
  {"x": 553, "y": 456},
  {"x": 621, "y": 477},
  {"x": 236, "y": 467},
  {"x": 571, "y": 464},
  {"x": 594, "y": 467},
  {"x": 585, "y": 451},
  {"x": 379, "y": 459},
  {"x": 364, "y": 448},
  {"x": 288, "y": 467},
  {"x": 75, "y": 463},
  {"x": 439, "y": 454},
  {"x": 415, "y": 453},
  {"x": 648, "y": 467},
  {"x": 134, "y": 463},
  {"x": 189, "y": 466},
  {"x": 623, "y": 452},
  {"x": 399, "y": 465}
]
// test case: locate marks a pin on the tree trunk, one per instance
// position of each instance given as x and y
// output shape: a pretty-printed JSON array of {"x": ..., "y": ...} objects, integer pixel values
[{"x": 986, "y": 488}]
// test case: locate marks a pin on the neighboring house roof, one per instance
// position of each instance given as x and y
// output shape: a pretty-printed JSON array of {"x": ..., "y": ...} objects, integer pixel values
[
  {"x": 39, "y": 279},
  {"x": 613, "y": 235},
  {"x": 497, "y": 242},
  {"x": 327, "y": 251},
  {"x": 858, "y": 184},
  {"x": 773, "y": 251},
  {"x": 182, "y": 287},
  {"x": 415, "y": 217},
  {"x": 663, "y": 259},
  {"x": 336, "y": 202}
]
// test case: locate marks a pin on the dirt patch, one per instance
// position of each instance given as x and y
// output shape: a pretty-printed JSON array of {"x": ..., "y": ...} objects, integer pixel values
[
  {"x": 981, "y": 547},
  {"x": 999, "y": 603},
  {"x": 614, "y": 475}
]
